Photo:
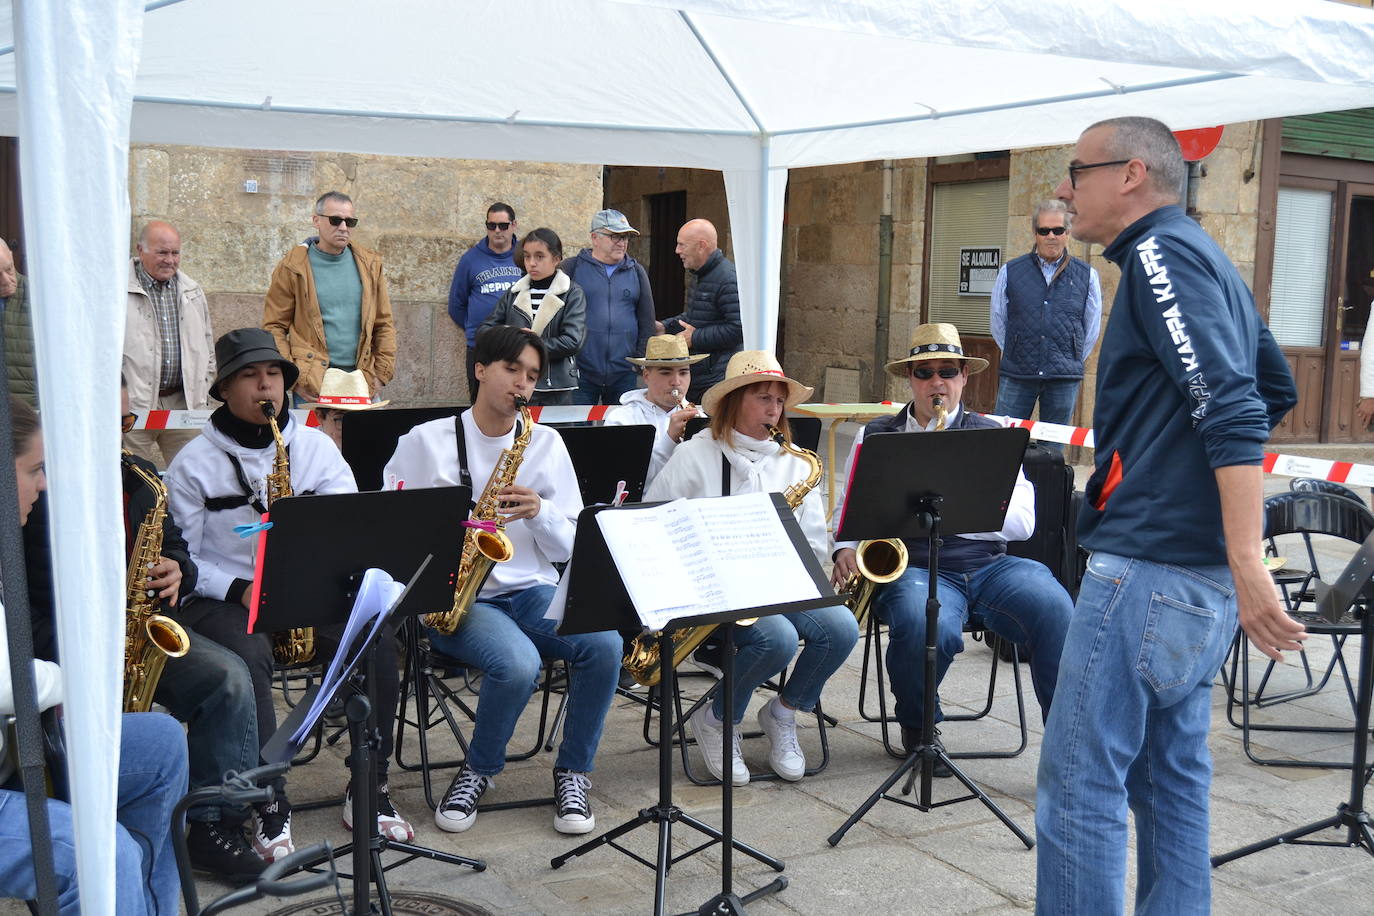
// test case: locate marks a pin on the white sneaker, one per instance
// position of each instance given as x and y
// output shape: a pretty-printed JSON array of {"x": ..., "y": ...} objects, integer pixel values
[
  {"x": 458, "y": 811},
  {"x": 390, "y": 823},
  {"x": 710, "y": 737},
  {"x": 271, "y": 828},
  {"x": 784, "y": 753}
]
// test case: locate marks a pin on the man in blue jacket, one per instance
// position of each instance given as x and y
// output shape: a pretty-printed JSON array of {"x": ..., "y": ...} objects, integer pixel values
[
  {"x": 484, "y": 273},
  {"x": 620, "y": 310},
  {"x": 710, "y": 324},
  {"x": 1189, "y": 384}
]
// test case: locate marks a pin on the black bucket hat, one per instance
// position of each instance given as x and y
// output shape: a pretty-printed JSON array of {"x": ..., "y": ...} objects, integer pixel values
[{"x": 245, "y": 346}]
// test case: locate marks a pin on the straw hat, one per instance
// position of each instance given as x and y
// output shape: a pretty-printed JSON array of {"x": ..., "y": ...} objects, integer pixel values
[
  {"x": 666, "y": 350},
  {"x": 749, "y": 367},
  {"x": 342, "y": 390},
  {"x": 936, "y": 341}
]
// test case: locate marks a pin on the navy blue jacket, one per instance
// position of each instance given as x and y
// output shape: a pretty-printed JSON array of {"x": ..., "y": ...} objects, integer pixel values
[
  {"x": 713, "y": 309},
  {"x": 1045, "y": 330},
  {"x": 620, "y": 315},
  {"x": 957, "y": 554},
  {"x": 479, "y": 281},
  {"x": 1189, "y": 379}
]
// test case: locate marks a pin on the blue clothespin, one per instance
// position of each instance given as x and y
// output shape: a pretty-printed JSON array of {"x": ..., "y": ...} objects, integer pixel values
[{"x": 247, "y": 531}]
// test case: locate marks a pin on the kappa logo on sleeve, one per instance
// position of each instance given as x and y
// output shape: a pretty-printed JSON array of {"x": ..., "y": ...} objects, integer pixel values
[{"x": 1152, "y": 260}]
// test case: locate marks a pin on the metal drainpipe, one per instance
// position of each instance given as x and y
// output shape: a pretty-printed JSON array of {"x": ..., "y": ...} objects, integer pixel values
[{"x": 883, "y": 329}]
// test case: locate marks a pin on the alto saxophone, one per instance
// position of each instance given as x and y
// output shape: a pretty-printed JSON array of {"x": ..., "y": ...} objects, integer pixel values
[
  {"x": 150, "y": 638},
  {"x": 295, "y": 646},
  {"x": 642, "y": 660},
  {"x": 485, "y": 543}
]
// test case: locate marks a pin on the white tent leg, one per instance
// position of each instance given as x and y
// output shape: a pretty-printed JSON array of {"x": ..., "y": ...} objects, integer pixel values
[{"x": 755, "y": 197}]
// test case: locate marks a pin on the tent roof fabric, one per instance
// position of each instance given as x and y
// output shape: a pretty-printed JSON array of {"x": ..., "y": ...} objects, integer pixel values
[{"x": 699, "y": 83}]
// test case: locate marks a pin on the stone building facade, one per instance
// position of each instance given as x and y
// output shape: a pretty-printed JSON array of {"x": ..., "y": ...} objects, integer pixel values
[{"x": 421, "y": 214}]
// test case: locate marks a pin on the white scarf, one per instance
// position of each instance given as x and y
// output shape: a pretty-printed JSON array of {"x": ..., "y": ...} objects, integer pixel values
[{"x": 749, "y": 458}]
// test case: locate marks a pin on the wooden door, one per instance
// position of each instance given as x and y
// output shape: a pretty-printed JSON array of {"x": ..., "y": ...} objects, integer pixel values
[{"x": 1352, "y": 290}]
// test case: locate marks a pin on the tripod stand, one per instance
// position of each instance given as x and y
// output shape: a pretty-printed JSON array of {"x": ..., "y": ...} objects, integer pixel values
[
  {"x": 664, "y": 813},
  {"x": 928, "y": 753},
  {"x": 1350, "y": 814}
]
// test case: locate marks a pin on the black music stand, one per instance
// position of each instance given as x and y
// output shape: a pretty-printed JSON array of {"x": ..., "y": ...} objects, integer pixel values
[
  {"x": 603, "y": 456},
  {"x": 1333, "y": 601},
  {"x": 299, "y": 584},
  {"x": 598, "y": 600},
  {"x": 370, "y": 436},
  {"x": 912, "y": 485}
]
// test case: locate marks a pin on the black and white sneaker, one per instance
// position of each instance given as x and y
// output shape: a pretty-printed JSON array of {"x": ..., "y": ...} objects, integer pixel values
[
  {"x": 223, "y": 852},
  {"x": 708, "y": 657},
  {"x": 458, "y": 811},
  {"x": 572, "y": 809},
  {"x": 390, "y": 822},
  {"x": 271, "y": 829}
]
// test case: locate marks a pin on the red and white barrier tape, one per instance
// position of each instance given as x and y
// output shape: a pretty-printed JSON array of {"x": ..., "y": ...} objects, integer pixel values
[{"x": 1285, "y": 465}]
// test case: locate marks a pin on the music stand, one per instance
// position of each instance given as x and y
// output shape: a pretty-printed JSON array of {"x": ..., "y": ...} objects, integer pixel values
[
  {"x": 603, "y": 456},
  {"x": 297, "y": 584},
  {"x": 598, "y": 600},
  {"x": 912, "y": 485},
  {"x": 1333, "y": 601},
  {"x": 370, "y": 436}
]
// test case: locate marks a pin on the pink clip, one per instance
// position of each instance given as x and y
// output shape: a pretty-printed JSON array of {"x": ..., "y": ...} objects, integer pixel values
[{"x": 481, "y": 525}]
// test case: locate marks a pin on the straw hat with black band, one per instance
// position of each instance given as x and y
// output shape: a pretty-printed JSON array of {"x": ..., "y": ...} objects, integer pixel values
[
  {"x": 936, "y": 341},
  {"x": 749, "y": 367}
]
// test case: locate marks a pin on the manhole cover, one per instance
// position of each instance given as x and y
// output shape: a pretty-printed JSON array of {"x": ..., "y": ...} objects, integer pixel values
[{"x": 402, "y": 902}]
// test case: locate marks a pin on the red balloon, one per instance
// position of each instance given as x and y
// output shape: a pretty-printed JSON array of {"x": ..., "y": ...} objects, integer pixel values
[{"x": 1198, "y": 143}]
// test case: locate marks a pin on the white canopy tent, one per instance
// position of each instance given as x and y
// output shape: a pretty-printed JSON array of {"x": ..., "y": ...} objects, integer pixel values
[{"x": 749, "y": 87}]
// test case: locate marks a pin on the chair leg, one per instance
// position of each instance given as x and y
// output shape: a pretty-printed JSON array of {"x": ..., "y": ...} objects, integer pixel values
[{"x": 1015, "y": 662}]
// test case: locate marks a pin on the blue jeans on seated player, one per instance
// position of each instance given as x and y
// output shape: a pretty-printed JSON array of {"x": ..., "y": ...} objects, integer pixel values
[
  {"x": 764, "y": 648},
  {"x": 1018, "y": 599},
  {"x": 152, "y": 779},
  {"x": 1129, "y": 728},
  {"x": 1016, "y": 397},
  {"x": 507, "y": 638}
]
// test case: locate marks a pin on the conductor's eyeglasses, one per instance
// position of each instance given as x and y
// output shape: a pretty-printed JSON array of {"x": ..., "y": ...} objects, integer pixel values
[
  {"x": 1075, "y": 169},
  {"x": 925, "y": 373},
  {"x": 350, "y": 221}
]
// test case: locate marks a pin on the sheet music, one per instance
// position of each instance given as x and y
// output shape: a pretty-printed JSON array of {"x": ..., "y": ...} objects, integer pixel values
[{"x": 700, "y": 556}]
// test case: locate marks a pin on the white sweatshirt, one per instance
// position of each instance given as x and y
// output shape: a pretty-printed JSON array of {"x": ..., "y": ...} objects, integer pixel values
[
  {"x": 694, "y": 470},
  {"x": 202, "y": 470},
  {"x": 636, "y": 409},
  {"x": 427, "y": 456},
  {"x": 47, "y": 685}
]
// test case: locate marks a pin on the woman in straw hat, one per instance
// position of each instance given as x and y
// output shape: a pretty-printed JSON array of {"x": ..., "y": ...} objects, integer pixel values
[
  {"x": 667, "y": 371},
  {"x": 733, "y": 456}
]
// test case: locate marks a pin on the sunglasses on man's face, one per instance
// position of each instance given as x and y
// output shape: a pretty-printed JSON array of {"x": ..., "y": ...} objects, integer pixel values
[
  {"x": 350, "y": 221},
  {"x": 497, "y": 227},
  {"x": 1050, "y": 230},
  {"x": 924, "y": 373},
  {"x": 127, "y": 421}
]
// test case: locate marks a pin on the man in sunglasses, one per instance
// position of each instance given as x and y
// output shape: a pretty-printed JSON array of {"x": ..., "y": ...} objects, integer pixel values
[
  {"x": 484, "y": 273},
  {"x": 1046, "y": 312},
  {"x": 328, "y": 306},
  {"x": 169, "y": 347},
  {"x": 1018, "y": 599}
]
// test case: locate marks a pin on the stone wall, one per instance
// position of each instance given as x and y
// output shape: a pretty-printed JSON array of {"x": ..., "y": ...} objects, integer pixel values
[
  {"x": 628, "y": 189},
  {"x": 421, "y": 214}
]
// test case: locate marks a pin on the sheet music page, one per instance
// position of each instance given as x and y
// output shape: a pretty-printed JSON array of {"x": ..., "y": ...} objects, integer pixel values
[
  {"x": 656, "y": 551},
  {"x": 753, "y": 561},
  {"x": 701, "y": 556}
]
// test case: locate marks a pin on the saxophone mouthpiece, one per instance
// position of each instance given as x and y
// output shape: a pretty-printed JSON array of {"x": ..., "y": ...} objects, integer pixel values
[
  {"x": 521, "y": 401},
  {"x": 269, "y": 410}
]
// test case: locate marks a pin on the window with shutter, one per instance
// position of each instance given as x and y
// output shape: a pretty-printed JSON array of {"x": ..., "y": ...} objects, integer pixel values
[
  {"x": 970, "y": 214},
  {"x": 1302, "y": 245}
]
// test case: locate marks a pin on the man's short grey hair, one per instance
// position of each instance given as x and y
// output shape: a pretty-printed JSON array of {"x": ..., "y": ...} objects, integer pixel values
[
  {"x": 338, "y": 197},
  {"x": 1051, "y": 206},
  {"x": 1152, "y": 143}
]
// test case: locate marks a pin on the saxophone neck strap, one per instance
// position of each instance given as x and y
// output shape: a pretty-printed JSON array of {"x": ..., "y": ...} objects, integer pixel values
[
  {"x": 724, "y": 475},
  {"x": 464, "y": 475}
]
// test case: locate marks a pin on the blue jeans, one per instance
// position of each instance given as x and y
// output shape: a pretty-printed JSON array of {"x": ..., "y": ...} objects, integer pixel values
[
  {"x": 209, "y": 689},
  {"x": 588, "y": 392},
  {"x": 152, "y": 779},
  {"x": 1018, "y": 599},
  {"x": 1016, "y": 397},
  {"x": 507, "y": 637},
  {"x": 764, "y": 649},
  {"x": 1129, "y": 728}
]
